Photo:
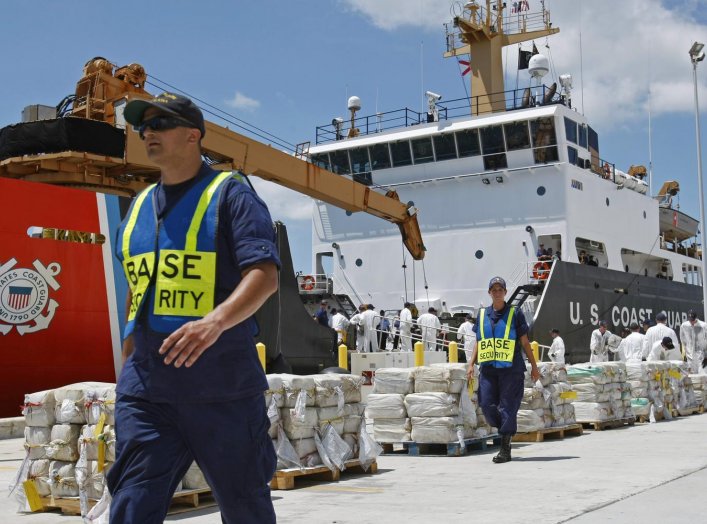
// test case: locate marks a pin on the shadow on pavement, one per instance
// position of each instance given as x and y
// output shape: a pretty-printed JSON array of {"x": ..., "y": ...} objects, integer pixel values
[{"x": 542, "y": 459}]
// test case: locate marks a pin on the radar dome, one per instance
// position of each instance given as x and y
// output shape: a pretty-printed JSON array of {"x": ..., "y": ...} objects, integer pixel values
[
  {"x": 538, "y": 66},
  {"x": 354, "y": 103}
]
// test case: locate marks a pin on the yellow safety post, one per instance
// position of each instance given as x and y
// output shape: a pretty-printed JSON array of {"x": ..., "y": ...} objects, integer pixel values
[
  {"x": 453, "y": 352},
  {"x": 536, "y": 350},
  {"x": 261, "y": 353},
  {"x": 343, "y": 357},
  {"x": 419, "y": 354}
]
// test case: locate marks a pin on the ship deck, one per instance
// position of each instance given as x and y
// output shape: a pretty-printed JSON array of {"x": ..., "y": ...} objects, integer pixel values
[{"x": 644, "y": 473}]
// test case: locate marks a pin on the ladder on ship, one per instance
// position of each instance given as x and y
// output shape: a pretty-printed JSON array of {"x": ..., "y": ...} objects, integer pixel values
[{"x": 521, "y": 294}]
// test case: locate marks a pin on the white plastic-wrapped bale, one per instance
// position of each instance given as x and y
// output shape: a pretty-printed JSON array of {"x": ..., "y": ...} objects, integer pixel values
[
  {"x": 36, "y": 440},
  {"x": 641, "y": 407},
  {"x": 62, "y": 479},
  {"x": 438, "y": 430},
  {"x": 39, "y": 473},
  {"x": 307, "y": 452},
  {"x": 351, "y": 385},
  {"x": 331, "y": 415},
  {"x": 351, "y": 440},
  {"x": 392, "y": 430},
  {"x": 328, "y": 390},
  {"x": 592, "y": 411},
  {"x": 432, "y": 404},
  {"x": 294, "y": 385},
  {"x": 389, "y": 405},
  {"x": 99, "y": 401},
  {"x": 299, "y": 429},
  {"x": 69, "y": 407},
  {"x": 194, "y": 478},
  {"x": 276, "y": 389},
  {"x": 90, "y": 480},
  {"x": 442, "y": 378},
  {"x": 352, "y": 417},
  {"x": 587, "y": 373},
  {"x": 529, "y": 420},
  {"x": 38, "y": 409},
  {"x": 394, "y": 381},
  {"x": 532, "y": 399},
  {"x": 63, "y": 444}
]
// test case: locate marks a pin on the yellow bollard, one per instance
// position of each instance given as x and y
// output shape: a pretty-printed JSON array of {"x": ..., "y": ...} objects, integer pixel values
[
  {"x": 419, "y": 354},
  {"x": 261, "y": 353},
  {"x": 453, "y": 352},
  {"x": 536, "y": 350},
  {"x": 343, "y": 357}
]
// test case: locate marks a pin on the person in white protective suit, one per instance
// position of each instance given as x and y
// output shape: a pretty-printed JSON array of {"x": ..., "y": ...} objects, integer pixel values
[
  {"x": 338, "y": 322},
  {"x": 599, "y": 343},
  {"x": 406, "y": 328},
  {"x": 368, "y": 321},
  {"x": 631, "y": 348},
  {"x": 429, "y": 325},
  {"x": 466, "y": 334},
  {"x": 658, "y": 332},
  {"x": 664, "y": 350},
  {"x": 557, "y": 349},
  {"x": 357, "y": 320},
  {"x": 693, "y": 338}
]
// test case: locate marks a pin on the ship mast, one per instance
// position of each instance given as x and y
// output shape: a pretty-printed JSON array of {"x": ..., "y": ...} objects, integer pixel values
[{"x": 482, "y": 34}]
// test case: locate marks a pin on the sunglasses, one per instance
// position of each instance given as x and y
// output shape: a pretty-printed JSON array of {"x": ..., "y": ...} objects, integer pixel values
[{"x": 161, "y": 123}]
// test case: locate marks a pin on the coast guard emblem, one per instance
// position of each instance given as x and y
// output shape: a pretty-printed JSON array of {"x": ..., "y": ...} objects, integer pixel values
[{"x": 25, "y": 303}]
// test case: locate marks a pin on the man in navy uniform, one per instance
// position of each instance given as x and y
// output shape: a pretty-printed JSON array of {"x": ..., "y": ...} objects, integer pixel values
[
  {"x": 499, "y": 330},
  {"x": 198, "y": 250}
]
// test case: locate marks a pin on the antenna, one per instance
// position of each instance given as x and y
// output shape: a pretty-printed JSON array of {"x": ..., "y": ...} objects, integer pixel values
[
  {"x": 354, "y": 105},
  {"x": 538, "y": 67},
  {"x": 650, "y": 144}
]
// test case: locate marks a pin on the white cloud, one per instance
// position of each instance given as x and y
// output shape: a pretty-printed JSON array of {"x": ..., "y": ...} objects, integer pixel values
[
  {"x": 626, "y": 46},
  {"x": 241, "y": 101},
  {"x": 284, "y": 204}
]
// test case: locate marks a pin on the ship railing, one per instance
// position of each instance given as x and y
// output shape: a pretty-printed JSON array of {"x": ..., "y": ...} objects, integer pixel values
[
  {"x": 516, "y": 20},
  {"x": 445, "y": 335},
  {"x": 450, "y": 109},
  {"x": 314, "y": 284}
]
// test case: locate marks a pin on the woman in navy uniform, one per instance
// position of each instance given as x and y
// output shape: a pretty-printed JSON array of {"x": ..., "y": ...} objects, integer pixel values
[
  {"x": 499, "y": 329},
  {"x": 198, "y": 250}
]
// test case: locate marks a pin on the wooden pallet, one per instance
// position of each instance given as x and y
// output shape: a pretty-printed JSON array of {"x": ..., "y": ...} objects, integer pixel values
[
  {"x": 600, "y": 425},
  {"x": 285, "y": 478},
  {"x": 450, "y": 449},
  {"x": 185, "y": 500},
  {"x": 549, "y": 433}
]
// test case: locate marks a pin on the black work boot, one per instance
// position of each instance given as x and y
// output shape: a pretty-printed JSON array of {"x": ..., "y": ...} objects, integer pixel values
[{"x": 505, "y": 454}]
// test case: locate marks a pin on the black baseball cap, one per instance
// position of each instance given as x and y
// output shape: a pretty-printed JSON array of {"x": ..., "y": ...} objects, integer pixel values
[
  {"x": 168, "y": 103},
  {"x": 668, "y": 343},
  {"x": 661, "y": 317},
  {"x": 497, "y": 280}
]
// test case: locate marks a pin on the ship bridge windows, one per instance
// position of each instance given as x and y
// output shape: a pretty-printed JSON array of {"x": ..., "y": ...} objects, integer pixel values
[
  {"x": 468, "y": 143},
  {"x": 360, "y": 163},
  {"x": 582, "y": 134},
  {"x": 380, "y": 156},
  {"x": 340, "y": 162},
  {"x": 646, "y": 264},
  {"x": 542, "y": 131},
  {"x": 444, "y": 147},
  {"x": 573, "y": 156},
  {"x": 571, "y": 130},
  {"x": 422, "y": 150},
  {"x": 517, "y": 136},
  {"x": 492, "y": 140},
  {"x": 400, "y": 152},
  {"x": 321, "y": 160}
]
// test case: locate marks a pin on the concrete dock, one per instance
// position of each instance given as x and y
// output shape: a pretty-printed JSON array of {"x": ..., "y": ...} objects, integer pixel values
[{"x": 643, "y": 473}]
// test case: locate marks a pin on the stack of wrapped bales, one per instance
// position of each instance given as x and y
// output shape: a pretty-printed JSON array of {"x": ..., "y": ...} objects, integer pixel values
[
  {"x": 548, "y": 402},
  {"x": 426, "y": 404},
  {"x": 603, "y": 393}
]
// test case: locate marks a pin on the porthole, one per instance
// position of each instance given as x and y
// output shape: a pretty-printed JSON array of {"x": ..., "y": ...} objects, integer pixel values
[
  {"x": 359, "y": 262},
  {"x": 479, "y": 254},
  {"x": 541, "y": 190},
  {"x": 349, "y": 213}
]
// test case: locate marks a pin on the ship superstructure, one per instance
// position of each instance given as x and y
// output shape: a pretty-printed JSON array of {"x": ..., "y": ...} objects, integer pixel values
[{"x": 498, "y": 179}]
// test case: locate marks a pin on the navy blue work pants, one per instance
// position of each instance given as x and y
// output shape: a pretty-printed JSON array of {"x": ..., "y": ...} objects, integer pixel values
[
  {"x": 500, "y": 395},
  {"x": 156, "y": 443}
]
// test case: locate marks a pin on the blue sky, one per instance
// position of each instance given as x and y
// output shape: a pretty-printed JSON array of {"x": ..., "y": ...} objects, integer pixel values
[{"x": 287, "y": 67}]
